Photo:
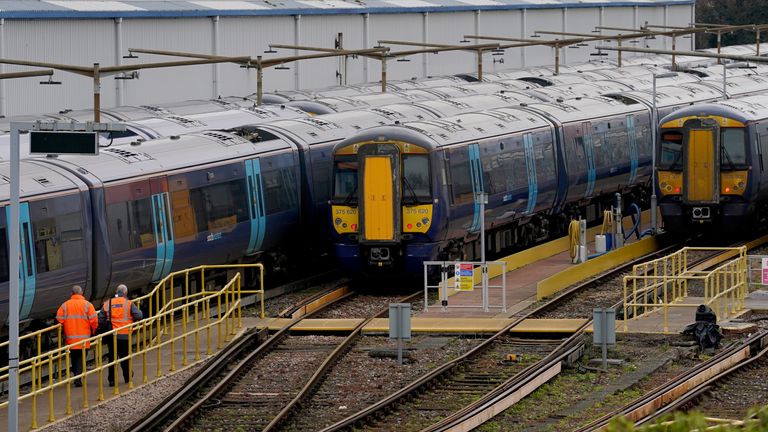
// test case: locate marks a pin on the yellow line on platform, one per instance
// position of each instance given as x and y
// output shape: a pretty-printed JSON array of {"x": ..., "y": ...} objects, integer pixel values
[
  {"x": 545, "y": 250},
  {"x": 580, "y": 272},
  {"x": 432, "y": 325}
]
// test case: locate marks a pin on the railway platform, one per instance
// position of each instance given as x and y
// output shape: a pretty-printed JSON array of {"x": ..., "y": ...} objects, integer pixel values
[{"x": 535, "y": 274}]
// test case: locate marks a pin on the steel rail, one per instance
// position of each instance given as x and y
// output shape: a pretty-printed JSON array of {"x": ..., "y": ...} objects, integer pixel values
[
  {"x": 172, "y": 404},
  {"x": 514, "y": 383},
  {"x": 325, "y": 367},
  {"x": 702, "y": 388},
  {"x": 648, "y": 404},
  {"x": 494, "y": 401}
]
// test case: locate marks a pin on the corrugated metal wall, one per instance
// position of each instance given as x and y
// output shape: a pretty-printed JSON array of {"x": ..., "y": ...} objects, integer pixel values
[{"x": 83, "y": 42}]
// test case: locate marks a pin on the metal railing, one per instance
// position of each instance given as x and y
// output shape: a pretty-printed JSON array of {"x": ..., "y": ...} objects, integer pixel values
[
  {"x": 194, "y": 312},
  {"x": 469, "y": 282},
  {"x": 664, "y": 283}
]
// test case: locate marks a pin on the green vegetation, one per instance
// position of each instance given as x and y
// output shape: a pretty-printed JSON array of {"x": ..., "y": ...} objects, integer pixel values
[
  {"x": 730, "y": 12},
  {"x": 758, "y": 422}
]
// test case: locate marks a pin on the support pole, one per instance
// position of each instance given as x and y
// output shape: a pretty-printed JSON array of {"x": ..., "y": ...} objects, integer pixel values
[
  {"x": 719, "y": 43},
  {"x": 479, "y": 65},
  {"x": 96, "y": 94},
  {"x": 674, "y": 47},
  {"x": 13, "y": 294},
  {"x": 557, "y": 59},
  {"x": 2, "y": 68},
  {"x": 384, "y": 73},
  {"x": 215, "y": 48},
  {"x": 620, "y": 51},
  {"x": 259, "y": 81},
  {"x": 119, "y": 84},
  {"x": 757, "y": 42}
]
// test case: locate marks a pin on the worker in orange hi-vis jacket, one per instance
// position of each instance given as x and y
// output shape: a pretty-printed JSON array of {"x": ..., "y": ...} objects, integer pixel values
[{"x": 79, "y": 318}]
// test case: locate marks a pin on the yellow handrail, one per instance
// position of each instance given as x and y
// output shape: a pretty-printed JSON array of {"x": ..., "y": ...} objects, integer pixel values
[
  {"x": 153, "y": 298},
  {"x": 664, "y": 282},
  {"x": 152, "y": 333}
]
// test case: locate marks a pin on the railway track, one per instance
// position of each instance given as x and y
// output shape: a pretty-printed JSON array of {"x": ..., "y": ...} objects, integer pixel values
[
  {"x": 261, "y": 390},
  {"x": 383, "y": 414},
  {"x": 690, "y": 384}
]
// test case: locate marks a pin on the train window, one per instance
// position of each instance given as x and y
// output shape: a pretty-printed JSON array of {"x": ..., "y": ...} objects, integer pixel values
[
  {"x": 58, "y": 242},
  {"x": 461, "y": 177},
  {"x": 733, "y": 147},
  {"x": 130, "y": 225},
  {"x": 345, "y": 180},
  {"x": 219, "y": 206},
  {"x": 279, "y": 190},
  {"x": 671, "y": 150},
  {"x": 3, "y": 256},
  {"x": 416, "y": 179},
  {"x": 321, "y": 176}
]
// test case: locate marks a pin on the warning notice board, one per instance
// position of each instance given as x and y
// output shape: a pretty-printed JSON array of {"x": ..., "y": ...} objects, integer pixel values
[{"x": 465, "y": 277}]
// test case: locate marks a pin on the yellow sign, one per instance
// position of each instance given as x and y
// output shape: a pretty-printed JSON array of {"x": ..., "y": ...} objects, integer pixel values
[{"x": 465, "y": 277}]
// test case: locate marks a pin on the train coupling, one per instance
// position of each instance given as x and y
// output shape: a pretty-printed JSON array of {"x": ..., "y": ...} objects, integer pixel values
[{"x": 701, "y": 213}]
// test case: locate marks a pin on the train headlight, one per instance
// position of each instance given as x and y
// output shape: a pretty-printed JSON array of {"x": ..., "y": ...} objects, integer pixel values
[
  {"x": 733, "y": 183},
  {"x": 670, "y": 182},
  {"x": 338, "y": 221}
]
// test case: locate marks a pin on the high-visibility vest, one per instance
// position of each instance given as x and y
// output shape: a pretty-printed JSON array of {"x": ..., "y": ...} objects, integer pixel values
[
  {"x": 78, "y": 316},
  {"x": 120, "y": 314}
]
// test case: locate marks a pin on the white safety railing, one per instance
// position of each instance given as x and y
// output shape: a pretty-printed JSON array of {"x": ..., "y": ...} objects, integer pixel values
[{"x": 465, "y": 276}]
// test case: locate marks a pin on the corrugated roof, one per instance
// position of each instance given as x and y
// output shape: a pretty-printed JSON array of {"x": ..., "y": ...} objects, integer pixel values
[{"x": 165, "y": 8}]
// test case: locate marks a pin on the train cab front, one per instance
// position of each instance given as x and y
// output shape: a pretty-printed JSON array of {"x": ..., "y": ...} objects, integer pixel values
[
  {"x": 703, "y": 174},
  {"x": 382, "y": 207}
]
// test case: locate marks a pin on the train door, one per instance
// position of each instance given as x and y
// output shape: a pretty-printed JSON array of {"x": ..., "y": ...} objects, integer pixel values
[
  {"x": 701, "y": 160},
  {"x": 27, "y": 268},
  {"x": 476, "y": 171},
  {"x": 634, "y": 154},
  {"x": 589, "y": 157},
  {"x": 530, "y": 168},
  {"x": 162, "y": 226},
  {"x": 380, "y": 187},
  {"x": 258, "y": 221}
]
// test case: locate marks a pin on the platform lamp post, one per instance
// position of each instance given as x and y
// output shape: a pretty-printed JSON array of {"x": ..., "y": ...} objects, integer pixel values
[
  {"x": 483, "y": 200},
  {"x": 655, "y": 117}
]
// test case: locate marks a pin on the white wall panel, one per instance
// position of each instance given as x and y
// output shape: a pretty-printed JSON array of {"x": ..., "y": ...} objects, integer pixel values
[
  {"x": 162, "y": 85},
  {"x": 542, "y": 19},
  {"x": 449, "y": 28},
  {"x": 321, "y": 30},
  {"x": 399, "y": 27},
  {"x": 505, "y": 24},
  {"x": 84, "y": 42},
  {"x": 251, "y": 36},
  {"x": 583, "y": 21},
  {"x": 81, "y": 42},
  {"x": 654, "y": 15}
]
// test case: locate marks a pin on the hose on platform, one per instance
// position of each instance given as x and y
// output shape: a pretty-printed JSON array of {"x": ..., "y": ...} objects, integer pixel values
[{"x": 573, "y": 235}]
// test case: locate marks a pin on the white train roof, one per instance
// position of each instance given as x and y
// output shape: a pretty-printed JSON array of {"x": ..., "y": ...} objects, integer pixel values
[
  {"x": 167, "y": 154},
  {"x": 669, "y": 96},
  {"x": 584, "y": 109},
  {"x": 741, "y": 85},
  {"x": 467, "y": 127},
  {"x": 451, "y": 107},
  {"x": 37, "y": 178},
  {"x": 572, "y": 91}
]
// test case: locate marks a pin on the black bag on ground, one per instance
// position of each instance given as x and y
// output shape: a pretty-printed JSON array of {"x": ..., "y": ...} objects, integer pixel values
[{"x": 706, "y": 334}]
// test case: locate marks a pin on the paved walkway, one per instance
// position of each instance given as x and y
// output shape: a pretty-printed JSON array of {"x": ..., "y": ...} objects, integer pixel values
[{"x": 90, "y": 392}]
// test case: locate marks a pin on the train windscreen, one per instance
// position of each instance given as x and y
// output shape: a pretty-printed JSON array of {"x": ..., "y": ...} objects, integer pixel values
[
  {"x": 345, "y": 180},
  {"x": 733, "y": 149},
  {"x": 671, "y": 151},
  {"x": 416, "y": 184}
]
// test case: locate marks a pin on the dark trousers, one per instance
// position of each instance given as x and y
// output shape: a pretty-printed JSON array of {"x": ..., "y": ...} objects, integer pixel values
[
  {"x": 122, "y": 351},
  {"x": 76, "y": 359}
]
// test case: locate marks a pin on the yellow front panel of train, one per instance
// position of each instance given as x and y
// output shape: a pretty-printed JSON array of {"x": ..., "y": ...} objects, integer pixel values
[
  {"x": 701, "y": 166},
  {"x": 377, "y": 184}
]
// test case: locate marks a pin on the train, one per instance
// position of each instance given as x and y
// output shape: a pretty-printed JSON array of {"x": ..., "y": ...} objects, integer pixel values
[
  {"x": 406, "y": 194},
  {"x": 265, "y": 188},
  {"x": 712, "y": 166}
]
